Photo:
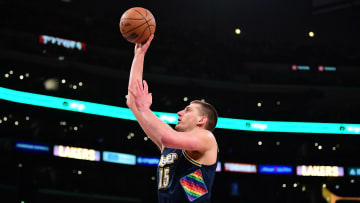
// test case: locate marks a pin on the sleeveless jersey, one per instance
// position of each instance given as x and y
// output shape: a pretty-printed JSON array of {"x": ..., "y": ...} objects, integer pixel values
[{"x": 181, "y": 179}]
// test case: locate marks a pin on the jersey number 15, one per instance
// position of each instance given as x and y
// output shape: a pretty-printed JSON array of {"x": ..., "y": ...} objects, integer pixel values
[{"x": 163, "y": 177}]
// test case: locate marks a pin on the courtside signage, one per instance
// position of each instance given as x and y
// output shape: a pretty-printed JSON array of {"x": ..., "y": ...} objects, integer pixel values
[
  {"x": 240, "y": 167},
  {"x": 32, "y": 147},
  {"x": 171, "y": 118},
  {"x": 275, "y": 169},
  {"x": 66, "y": 43},
  {"x": 147, "y": 161},
  {"x": 333, "y": 171},
  {"x": 218, "y": 167},
  {"x": 354, "y": 171},
  {"x": 76, "y": 153},
  {"x": 120, "y": 158}
]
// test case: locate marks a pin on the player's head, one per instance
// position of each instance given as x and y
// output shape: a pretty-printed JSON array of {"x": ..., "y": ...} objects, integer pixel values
[{"x": 197, "y": 114}]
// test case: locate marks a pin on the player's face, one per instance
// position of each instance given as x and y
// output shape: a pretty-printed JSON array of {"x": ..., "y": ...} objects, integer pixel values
[{"x": 188, "y": 118}]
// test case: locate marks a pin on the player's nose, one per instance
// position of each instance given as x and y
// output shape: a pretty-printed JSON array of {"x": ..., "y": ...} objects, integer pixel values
[{"x": 180, "y": 113}]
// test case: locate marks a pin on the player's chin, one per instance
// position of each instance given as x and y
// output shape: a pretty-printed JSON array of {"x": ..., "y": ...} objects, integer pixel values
[{"x": 177, "y": 127}]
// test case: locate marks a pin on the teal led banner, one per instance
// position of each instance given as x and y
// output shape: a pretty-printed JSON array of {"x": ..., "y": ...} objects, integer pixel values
[{"x": 171, "y": 118}]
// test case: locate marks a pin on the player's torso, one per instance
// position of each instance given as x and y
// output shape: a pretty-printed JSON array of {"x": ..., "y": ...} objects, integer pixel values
[{"x": 181, "y": 179}]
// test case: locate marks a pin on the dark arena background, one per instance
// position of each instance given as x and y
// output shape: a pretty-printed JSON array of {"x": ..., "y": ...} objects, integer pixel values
[{"x": 283, "y": 75}]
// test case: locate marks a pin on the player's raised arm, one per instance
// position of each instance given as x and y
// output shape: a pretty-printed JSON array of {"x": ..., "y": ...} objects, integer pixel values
[{"x": 136, "y": 74}]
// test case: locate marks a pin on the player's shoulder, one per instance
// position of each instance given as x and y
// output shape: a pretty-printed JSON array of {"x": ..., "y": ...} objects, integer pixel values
[{"x": 208, "y": 135}]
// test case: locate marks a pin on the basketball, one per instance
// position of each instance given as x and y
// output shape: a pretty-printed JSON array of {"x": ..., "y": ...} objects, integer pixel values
[{"x": 137, "y": 25}]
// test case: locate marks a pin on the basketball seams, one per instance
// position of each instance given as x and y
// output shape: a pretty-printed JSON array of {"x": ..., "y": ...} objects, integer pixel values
[
  {"x": 142, "y": 34},
  {"x": 139, "y": 13},
  {"x": 134, "y": 28},
  {"x": 146, "y": 21}
]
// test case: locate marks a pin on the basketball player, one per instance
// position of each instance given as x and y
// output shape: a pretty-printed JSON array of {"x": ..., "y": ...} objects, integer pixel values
[{"x": 188, "y": 154}]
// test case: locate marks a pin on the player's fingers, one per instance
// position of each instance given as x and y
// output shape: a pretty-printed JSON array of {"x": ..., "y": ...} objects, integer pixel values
[
  {"x": 132, "y": 92},
  {"x": 139, "y": 86},
  {"x": 146, "y": 87},
  {"x": 147, "y": 44}
]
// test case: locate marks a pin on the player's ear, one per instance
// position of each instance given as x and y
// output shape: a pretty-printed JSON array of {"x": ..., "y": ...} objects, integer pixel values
[{"x": 202, "y": 120}]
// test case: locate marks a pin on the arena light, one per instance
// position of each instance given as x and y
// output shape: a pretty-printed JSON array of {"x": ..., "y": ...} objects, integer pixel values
[
  {"x": 171, "y": 118},
  {"x": 311, "y": 34},
  {"x": 332, "y": 171}
]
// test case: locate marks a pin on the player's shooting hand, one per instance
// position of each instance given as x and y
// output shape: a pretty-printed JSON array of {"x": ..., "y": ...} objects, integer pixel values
[
  {"x": 143, "y": 99},
  {"x": 142, "y": 48}
]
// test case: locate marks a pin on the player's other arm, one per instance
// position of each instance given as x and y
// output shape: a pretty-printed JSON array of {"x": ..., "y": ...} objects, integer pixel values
[
  {"x": 195, "y": 140},
  {"x": 136, "y": 73}
]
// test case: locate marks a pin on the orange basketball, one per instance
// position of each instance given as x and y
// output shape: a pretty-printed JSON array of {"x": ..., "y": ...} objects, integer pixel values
[{"x": 137, "y": 25}]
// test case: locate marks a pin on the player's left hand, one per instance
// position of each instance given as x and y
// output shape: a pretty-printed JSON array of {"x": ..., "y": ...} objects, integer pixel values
[{"x": 143, "y": 99}]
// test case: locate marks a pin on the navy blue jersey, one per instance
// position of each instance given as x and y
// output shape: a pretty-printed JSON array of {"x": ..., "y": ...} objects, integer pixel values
[{"x": 182, "y": 179}]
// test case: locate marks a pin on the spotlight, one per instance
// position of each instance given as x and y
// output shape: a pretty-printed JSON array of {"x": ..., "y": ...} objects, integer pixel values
[
  {"x": 237, "y": 31},
  {"x": 51, "y": 84},
  {"x": 311, "y": 34}
]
